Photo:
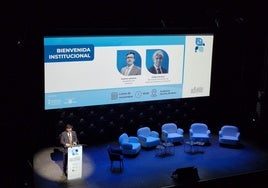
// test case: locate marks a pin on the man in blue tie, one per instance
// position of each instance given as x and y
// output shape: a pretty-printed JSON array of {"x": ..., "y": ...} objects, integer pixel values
[
  {"x": 130, "y": 68},
  {"x": 156, "y": 68}
]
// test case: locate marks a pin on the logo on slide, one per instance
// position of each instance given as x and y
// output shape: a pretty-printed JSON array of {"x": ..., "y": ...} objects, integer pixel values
[
  {"x": 199, "y": 45},
  {"x": 75, "y": 152},
  {"x": 114, "y": 95}
]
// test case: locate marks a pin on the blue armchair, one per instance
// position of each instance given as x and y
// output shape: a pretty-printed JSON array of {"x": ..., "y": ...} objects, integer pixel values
[
  {"x": 147, "y": 137},
  {"x": 130, "y": 145},
  {"x": 171, "y": 133},
  {"x": 199, "y": 132},
  {"x": 229, "y": 134}
]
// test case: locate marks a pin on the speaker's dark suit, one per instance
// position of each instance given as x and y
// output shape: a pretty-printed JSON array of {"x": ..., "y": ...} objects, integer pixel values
[
  {"x": 64, "y": 140},
  {"x": 153, "y": 70}
]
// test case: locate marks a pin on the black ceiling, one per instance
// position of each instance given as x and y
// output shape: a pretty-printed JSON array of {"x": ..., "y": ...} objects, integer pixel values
[{"x": 133, "y": 14}]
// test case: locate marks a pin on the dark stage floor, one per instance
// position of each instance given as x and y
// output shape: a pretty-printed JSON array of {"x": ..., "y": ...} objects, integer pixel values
[{"x": 214, "y": 164}]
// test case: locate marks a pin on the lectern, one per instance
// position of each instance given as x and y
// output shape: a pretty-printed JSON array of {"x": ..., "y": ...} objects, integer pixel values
[{"x": 74, "y": 163}]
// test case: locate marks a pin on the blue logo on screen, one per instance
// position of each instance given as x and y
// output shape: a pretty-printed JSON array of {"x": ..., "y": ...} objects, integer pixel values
[
  {"x": 69, "y": 53},
  {"x": 199, "y": 45},
  {"x": 114, "y": 95},
  {"x": 75, "y": 152}
]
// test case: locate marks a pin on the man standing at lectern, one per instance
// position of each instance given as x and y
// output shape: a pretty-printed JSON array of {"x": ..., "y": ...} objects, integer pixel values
[{"x": 68, "y": 138}]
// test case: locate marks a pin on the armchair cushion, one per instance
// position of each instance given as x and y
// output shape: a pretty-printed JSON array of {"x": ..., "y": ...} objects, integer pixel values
[
  {"x": 142, "y": 138},
  {"x": 127, "y": 146},
  {"x": 133, "y": 139}
]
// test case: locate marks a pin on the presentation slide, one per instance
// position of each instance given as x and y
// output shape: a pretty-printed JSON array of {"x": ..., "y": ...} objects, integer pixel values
[{"x": 98, "y": 70}]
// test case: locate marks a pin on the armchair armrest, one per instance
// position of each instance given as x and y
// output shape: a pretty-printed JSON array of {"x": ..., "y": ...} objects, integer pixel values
[
  {"x": 237, "y": 135},
  {"x": 191, "y": 132},
  {"x": 180, "y": 131},
  {"x": 154, "y": 134},
  {"x": 133, "y": 139},
  {"x": 208, "y": 132}
]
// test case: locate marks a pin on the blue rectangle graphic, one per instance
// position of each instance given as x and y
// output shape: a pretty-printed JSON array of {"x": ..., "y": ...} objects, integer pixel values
[
  {"x": 68, "y": 53},
  {"x": 111, "y": 96}
]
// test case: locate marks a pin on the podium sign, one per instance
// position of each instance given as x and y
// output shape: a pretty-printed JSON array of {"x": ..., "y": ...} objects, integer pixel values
[{"x": 74, "y": 163}]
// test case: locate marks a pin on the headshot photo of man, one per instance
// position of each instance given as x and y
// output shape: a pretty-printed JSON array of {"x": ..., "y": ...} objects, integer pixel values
[
  {"x": 130, "y": 68},
  {"x": 159, "y": 61}
]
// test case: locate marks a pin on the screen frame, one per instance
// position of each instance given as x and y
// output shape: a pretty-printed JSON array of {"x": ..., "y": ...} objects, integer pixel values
[{"x": 63, "y": 32}]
